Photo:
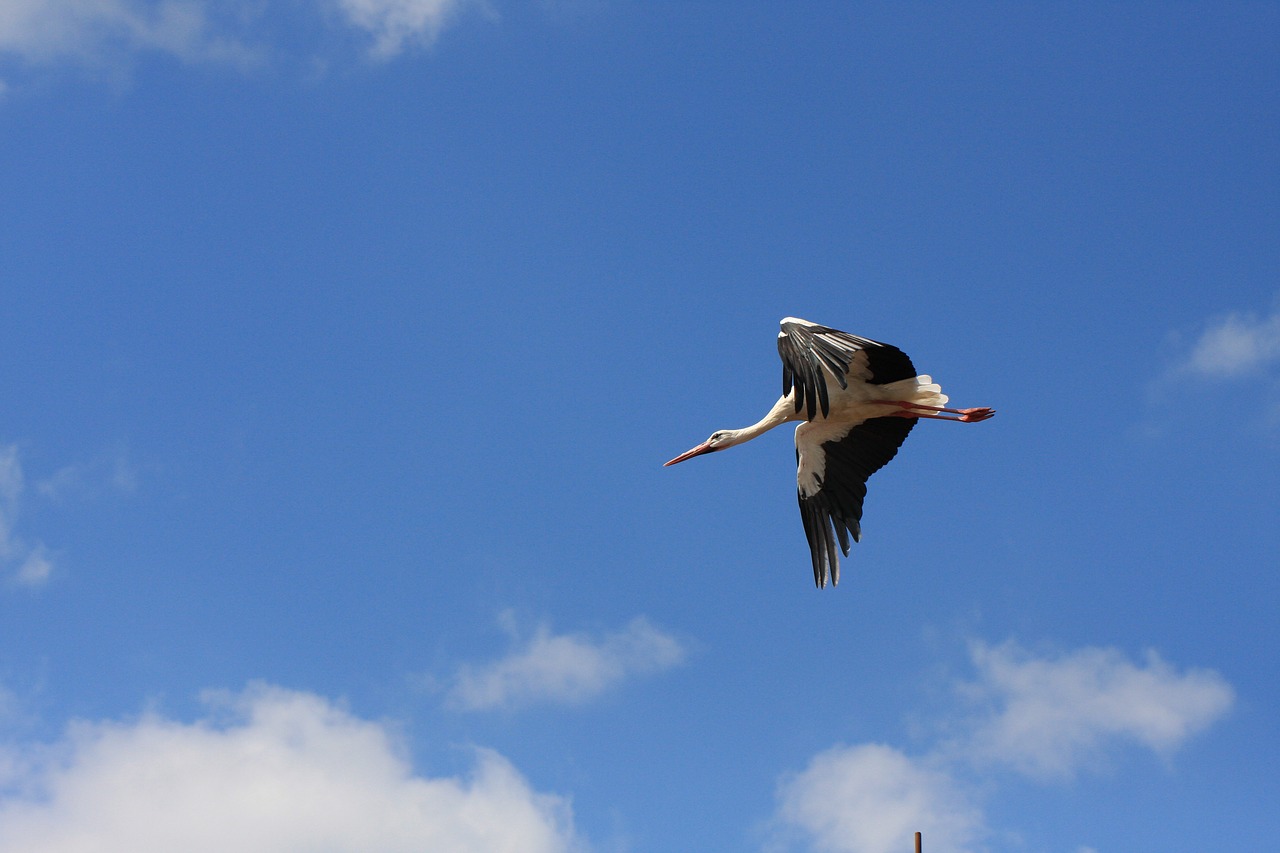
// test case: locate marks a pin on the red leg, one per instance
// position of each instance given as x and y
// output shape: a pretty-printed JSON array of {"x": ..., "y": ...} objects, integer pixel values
[{"x": 919, "y": 410}]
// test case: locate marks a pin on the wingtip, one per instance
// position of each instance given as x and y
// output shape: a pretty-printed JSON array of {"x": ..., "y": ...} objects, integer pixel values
[{"x": 832, "y": 574}]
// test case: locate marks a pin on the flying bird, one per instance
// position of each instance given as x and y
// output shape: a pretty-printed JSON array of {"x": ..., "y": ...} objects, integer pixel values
[{"x": 858, "y": 399}]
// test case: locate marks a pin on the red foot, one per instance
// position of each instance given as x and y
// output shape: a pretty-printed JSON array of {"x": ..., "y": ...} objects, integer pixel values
[{"x": 972, "y": 416}]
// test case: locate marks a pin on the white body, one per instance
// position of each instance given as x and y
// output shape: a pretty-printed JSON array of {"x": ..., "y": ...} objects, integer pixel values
[{"x": 850, "y": 407}]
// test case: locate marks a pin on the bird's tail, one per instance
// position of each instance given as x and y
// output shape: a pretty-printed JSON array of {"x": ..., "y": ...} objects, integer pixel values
[{"x": 917, "y": 389}]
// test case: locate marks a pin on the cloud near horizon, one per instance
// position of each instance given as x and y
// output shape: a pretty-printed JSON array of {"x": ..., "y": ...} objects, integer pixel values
[
  {"x": 266, "y": 770},
  {"x": 568, "y": 669},
  {"x": 872, "y": 798},
  {"x": 1044, "y": 717}
]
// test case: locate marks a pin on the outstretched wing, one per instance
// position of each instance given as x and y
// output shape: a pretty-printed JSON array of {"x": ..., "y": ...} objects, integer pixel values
[
  {"x": 810, "y": 353},
  {"x": 833, "y": 481}
]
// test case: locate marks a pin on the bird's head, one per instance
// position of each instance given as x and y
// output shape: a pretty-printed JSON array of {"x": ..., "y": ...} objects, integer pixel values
[{"x": 719, "y": 440}]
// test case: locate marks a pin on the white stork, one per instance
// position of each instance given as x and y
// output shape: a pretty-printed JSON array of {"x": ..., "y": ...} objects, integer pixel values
[{"x": 848, "y": 432}]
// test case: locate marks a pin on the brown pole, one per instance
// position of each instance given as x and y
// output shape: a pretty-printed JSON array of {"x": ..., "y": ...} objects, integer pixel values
[{"x": 917, "y": 842}]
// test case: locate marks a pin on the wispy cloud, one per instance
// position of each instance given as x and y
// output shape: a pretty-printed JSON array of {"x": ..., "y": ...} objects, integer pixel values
[
  {"x": 1236, "y": 345},
  {"x": 29, "y": 563},
  {"x": 106, "y": 35},
  {"x": 562, "y": 668},
  {"x": 35, "y": 568},
  {"x": 395, "y": 24},
  {"x": 26, "y": 564},
  {"x": 43, "y": 32},
  {"x": 111, "y": 472},
  {"x": 11, "y": 486},
  {"x": 267, "y": 770},
  {"x": 1049, "y": 716},
  {"x": 1234, "y": 357},
  {"x": 1044, "y": 717}
]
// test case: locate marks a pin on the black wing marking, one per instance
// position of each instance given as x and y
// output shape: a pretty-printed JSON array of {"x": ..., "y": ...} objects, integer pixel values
[
  {"x": 810, "y": 352},
  {"x": 835, "y": 511}
]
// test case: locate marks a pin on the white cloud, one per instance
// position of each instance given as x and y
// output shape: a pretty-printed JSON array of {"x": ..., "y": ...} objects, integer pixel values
[
  {"x": 395, "y": 23},
  {"x": 1045, "y": 717},
  {"x": 872, "y": 798},
  {"x": 106, "y": 34},
  {"x": 1048, "y": 716},
  {"x": 268, "y": 771},
  {"x": 563, "y": 668},
  {"x": 1234, "y": 362},
  {"x": 90, "y": 31},
  {"x": 1236, "y": 346}
]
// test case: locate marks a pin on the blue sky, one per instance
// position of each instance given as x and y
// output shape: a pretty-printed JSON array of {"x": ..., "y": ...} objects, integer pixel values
[{"x": 344, "y": 341}]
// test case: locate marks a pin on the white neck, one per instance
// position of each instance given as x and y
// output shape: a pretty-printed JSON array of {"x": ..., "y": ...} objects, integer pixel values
[{"x": 784, "y": 410}]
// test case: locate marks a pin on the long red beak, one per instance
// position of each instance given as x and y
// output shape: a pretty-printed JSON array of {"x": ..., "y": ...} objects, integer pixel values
[{"x": 705, "y": 447}]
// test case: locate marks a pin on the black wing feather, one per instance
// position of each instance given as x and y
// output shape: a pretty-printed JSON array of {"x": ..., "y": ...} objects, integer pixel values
[
  {"x": 837, "y": 505},
  {"x": 809, "y": 352}
]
